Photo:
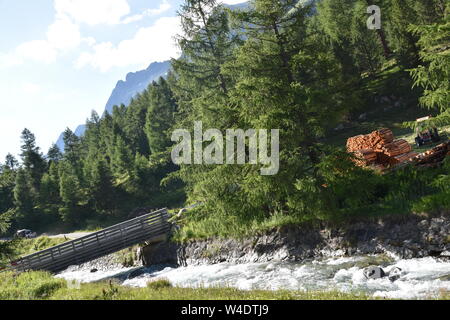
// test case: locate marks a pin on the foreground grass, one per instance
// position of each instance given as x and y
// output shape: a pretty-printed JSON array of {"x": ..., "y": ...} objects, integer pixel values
[{"x": 43, "y": 286}]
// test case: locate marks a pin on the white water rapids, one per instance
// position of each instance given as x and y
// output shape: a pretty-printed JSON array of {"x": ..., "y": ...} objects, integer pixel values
[{"x": 421, "y": 278}]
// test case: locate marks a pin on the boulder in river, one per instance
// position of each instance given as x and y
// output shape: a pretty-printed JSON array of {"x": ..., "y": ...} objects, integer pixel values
[
  {"x": 374, "y": 273},
  {"x": 395, "y": 274}
]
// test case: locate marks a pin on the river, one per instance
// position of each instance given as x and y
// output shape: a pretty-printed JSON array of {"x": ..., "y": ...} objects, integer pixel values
[{"x": 421, "y": 278}]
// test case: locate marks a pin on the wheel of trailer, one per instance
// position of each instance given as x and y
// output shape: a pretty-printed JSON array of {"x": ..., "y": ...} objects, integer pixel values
[{"x": 419, "y": 142}]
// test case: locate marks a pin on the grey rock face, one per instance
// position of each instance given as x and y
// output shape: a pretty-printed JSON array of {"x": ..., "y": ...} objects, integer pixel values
[{"x": 135, "y": 83}]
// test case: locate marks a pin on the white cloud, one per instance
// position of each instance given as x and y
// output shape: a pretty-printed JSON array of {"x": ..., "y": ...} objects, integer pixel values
[
  {"x": 64, "y": 34},
  {"x": 154, "y": 43},
  {"x": 9, "y": 60},
  {"x": 163, "y": 7},
  {"x": 36, "y": 50},
  {"x": 93, "y": 12},
  {"x": 31, "y": 88}
]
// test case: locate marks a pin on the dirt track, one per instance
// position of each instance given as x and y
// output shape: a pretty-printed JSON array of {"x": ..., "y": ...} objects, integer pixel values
[{"x": 70, "y": 236}]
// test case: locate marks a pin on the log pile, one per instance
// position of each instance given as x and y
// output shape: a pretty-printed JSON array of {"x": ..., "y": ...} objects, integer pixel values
[
  {"x": 365, "y": 156},
  {"x": 403, "y": 158},
  {"x": 379, "y": 149},
  {"x": 374, "y": 141},
  {"x": 432, "y": 157},
  {"x": 396, "y": 148}
]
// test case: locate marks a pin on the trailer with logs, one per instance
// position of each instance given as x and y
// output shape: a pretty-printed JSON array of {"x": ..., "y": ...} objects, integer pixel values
[{"x": 380, "y": 151}]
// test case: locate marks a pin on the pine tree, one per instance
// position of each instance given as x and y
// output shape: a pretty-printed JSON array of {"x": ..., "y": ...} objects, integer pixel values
[
  {"x": 102, "y": 191},
  {"x": 11, "y": 162},
  {"x": 71, "y": 195},
  {"x": 400, "y": 15},
  {"x": 121, "y": 158},
  {"x": 49, "y": 193},
  {"x": 134, "y": 125},
  {"x": 160, "y": 116},
  {"x": 24, "y": 199},
  {"x": 33, "y": 160},
  {"x": 434, "y": 74},
  {"x": 285, "y": 78},
  {"x": 205, "y": 43},
  {"x": 71, "y": 147},
  {"x": 344, "y": 22},
  {"x": 7, "y": 183},
  {"x": 7, "y": 248},
  {"x": 54, "y": 154},
  {"x": 201, "y": 88},
  {"x": 367, "y": 51}
]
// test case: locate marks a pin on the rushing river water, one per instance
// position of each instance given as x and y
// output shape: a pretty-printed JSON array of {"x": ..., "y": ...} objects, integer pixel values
[{"x": 421, "y": 278}]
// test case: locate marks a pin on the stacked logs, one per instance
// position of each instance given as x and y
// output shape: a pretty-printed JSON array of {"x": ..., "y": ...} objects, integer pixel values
[
  {"x": 374, "y": 141},
  {"x": 402, "y": 158},
  {"x": 365, "y": 156},
  {"x": 396, "y": 148},
  {"x": 432, "y": 157},
  {"x": 379, "y": 149}
]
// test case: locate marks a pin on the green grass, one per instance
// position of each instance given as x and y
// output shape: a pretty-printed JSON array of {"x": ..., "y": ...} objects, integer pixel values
[
  {"x": 197, "y": 227},
  {"x": 29, "y": 246},
  {"x": 24, "y": 247},
  {"x": 43, "y": 286},
  {"x": 29, "y": 286}
]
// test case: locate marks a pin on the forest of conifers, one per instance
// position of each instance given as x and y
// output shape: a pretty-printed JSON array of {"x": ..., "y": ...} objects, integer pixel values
[{"x": 274, "y": 65}]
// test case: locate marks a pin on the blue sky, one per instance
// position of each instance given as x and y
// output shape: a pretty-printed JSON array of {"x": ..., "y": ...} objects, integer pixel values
[{"x": 60, "y": 59}]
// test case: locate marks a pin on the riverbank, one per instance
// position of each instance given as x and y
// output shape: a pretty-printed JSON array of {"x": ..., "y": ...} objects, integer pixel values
[
  {"x": 305, "y": 258},
  {"x": 300, "y": 262},
  {"x": 397, "y": 237}
]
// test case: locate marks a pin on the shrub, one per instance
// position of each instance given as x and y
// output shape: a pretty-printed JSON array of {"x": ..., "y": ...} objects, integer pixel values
[
  {"x": 29, "y": 285},
  {"x": 159, "y": 284}
]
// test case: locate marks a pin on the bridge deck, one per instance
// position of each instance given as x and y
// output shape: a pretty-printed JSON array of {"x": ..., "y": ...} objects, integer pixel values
[{"x": 97, "y": 244}]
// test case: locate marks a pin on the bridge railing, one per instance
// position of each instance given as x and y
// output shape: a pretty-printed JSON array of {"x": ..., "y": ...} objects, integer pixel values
[{"x": 97, "y": 244}]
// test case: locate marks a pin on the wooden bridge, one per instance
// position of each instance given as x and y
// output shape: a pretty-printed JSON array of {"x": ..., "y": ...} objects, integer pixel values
[{"x": 97, "y": 244}]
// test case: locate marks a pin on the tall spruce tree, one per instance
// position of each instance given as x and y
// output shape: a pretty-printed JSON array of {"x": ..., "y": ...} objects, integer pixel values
[
  {"x": 400, "y": 16},
  {"x": 433, "y": 76},
  {"x": 33, "y": 160},
  {"x": 344, "y": 22},
  {"x": 284, "y": 79},
  {"x": 71, "y": 195},
  {"x": 7, "y": 248},
  {"x": 206, "y": 43},
  {"x": 24, "y": 200},
  {"x": 54, "y": 154},
  {"x": 160, "y": 116},
  {"x": 7, "y": 183},
  {"x": 102, "y": 191}
]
